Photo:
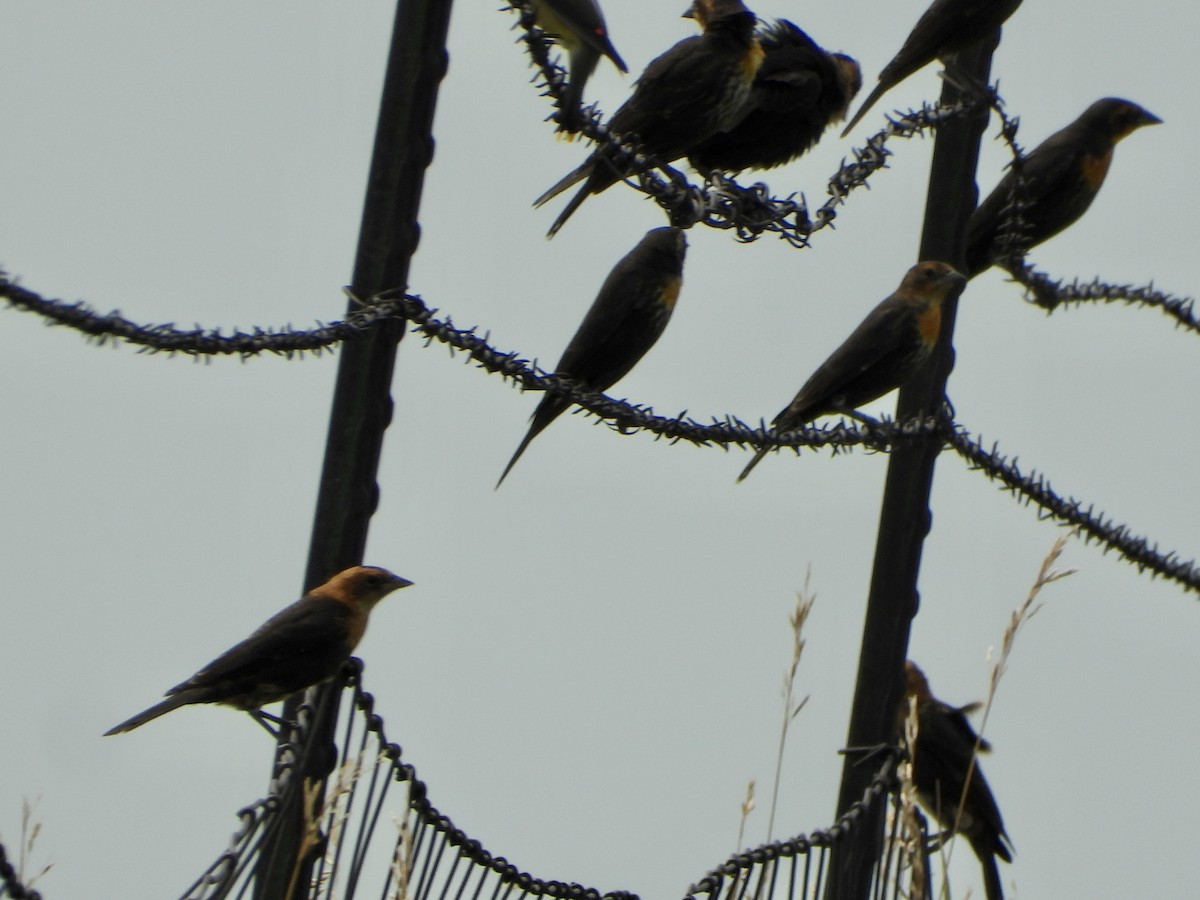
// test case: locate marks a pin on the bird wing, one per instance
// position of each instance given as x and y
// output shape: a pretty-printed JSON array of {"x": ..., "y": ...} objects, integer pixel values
[
  {"x": 314, "y": 626},
  {"x": 789, "y": 75},
  {"x": 872, "y": 345},
  {"x": 947, "y": 749},
  {"x": 619, "y": 328},
  {"x": 666, "y": 93},
  {"x": 1048, "y": 176}
]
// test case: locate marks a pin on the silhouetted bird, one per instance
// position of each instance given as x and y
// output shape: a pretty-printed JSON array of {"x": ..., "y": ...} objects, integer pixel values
[
  {"x": 1056, "y": 182},
  {"x": 695, "y": 89},
  {"x": 890, "y": 344},
  {"x": 578, "y": 25},
  {"x": 302, "y": 645},
  {"x": 626, "y": 318},
  {"x": 799, "y": 91},
  {"x": 941, "y": 759},
  {"x": 946, "y": 27}
]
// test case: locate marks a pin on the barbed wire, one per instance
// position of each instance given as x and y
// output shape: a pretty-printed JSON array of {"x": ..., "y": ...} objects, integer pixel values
[
  {"x": 1051, "y": 293},
  {"x": 620, "y": 414},
  {"x": 1096, "y": 526},
  {"x": 198, "y": 342}
]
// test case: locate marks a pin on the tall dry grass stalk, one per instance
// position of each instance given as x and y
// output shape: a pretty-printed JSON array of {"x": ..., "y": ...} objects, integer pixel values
[
  {"x": 791, "y": 706},
  {"x": 1047, "y": 575},
  {"x": 337, "y": 796},
  {"x": 746, "y": 808},
  {"x": 401, "y": 860},
  {"x": 31, "y": 829}
]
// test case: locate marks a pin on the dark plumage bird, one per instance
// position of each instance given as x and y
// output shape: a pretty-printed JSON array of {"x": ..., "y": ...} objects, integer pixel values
[
  {"x": 891, "y": 343},
  {"x": 946, "y": 27},
  {"x": 626, "y": 318},
  {"x": 799, "y": 91},
  {"x": 578, "y": 25},
  {"x": 941, "y": 759},
  {"x": 695, "y": 89},
  {"x": 302, "y": 645},
  {"x": 1059, "y": 180}
]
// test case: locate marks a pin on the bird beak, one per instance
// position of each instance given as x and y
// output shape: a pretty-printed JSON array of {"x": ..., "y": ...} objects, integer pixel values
[
  {"x": 690, "y": 14},
  {"x": 397, "y": 582},
  {"x": 1149, "y": 118}
]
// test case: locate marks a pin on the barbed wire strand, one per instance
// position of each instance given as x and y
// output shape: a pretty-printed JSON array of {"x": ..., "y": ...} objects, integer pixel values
[
  {"x": 1096, "y": 526},
  {"x": 1052, "y": 294},
  {"x": 621, "y": 415}
]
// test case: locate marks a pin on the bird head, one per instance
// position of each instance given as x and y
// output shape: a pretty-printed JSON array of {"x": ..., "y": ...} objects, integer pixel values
[
  {"x": 931, "y": 281},
  {"x": 1118, "y": 118},
  {"x": 365, "y": 585}
]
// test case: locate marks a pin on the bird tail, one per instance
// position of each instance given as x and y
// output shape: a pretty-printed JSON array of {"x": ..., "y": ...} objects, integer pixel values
[
  {"x": 529, "y": 436},
  {"x": 165, "y": 706},
  {"x": 569, "y": 210},
  {"x": 758, "y": 455},
  {"x": 547, "y": 411},
  {"x": 992, "y": 886},
  {"x": 867, "y": 104},
  {"x": 571, "y": 179}
]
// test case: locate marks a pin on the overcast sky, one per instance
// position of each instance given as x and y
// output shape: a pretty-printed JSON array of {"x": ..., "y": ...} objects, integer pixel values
[{"x": 587, "y": 671}]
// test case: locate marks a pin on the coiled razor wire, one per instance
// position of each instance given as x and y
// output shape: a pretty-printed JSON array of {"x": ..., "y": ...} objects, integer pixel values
[
  {"x": 622, "y": 415},
  {"x": 418, "y": 853}
]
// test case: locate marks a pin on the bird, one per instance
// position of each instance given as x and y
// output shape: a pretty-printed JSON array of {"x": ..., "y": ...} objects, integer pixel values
[
  {"x": 799, "y": 91},
  {"x": 628, "y": 315},
  {"x": 1055, "y": 183},
  {"x": 888, "y": 346},
  {"x": 946, "y": 27},
  {"x": 941, "y": 759},
  {"x": 578, "y": 25},
  {"x": 697, "y": 88},
  {"x": 302, "y": 645}
]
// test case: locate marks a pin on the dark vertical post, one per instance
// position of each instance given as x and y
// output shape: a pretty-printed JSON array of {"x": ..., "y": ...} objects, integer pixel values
[
  {"x": 362, "y": 403},
  {"x": 905, "y": 517}
]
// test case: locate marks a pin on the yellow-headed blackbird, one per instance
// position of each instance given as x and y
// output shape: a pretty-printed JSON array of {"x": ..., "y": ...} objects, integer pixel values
[
  {"x": 799, "y": 91},
  {"x": 300, "y": 646},
  {"x": 626, "y": 318},
  {"x": 941, "y": 759},
  {"x": 578, "y": 25},
  {"x": 695, "y": 89},
  {"x": 887, "y": 347},
  {"x": 946, "y": 27},
  {"x": 1055, "y": 184}
]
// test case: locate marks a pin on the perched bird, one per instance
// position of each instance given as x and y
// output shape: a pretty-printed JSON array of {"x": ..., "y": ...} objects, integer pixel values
[
  {"x": 1056, "y": 182},
  {"x": 946, "y": 27},
  {"x": 887, "y": 347},
  {"x": 626, "y": 318},
  {"x": 941, "y": 758},
  {"x": 799, "y": 91},
  {"x": 695, "y": 89},
  {"x": 578, "y": 25},
  {"x": 300, "y": 646}
]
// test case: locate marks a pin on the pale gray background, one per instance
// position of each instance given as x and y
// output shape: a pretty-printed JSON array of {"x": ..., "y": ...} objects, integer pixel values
[{"x": 587, "y": 671}]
